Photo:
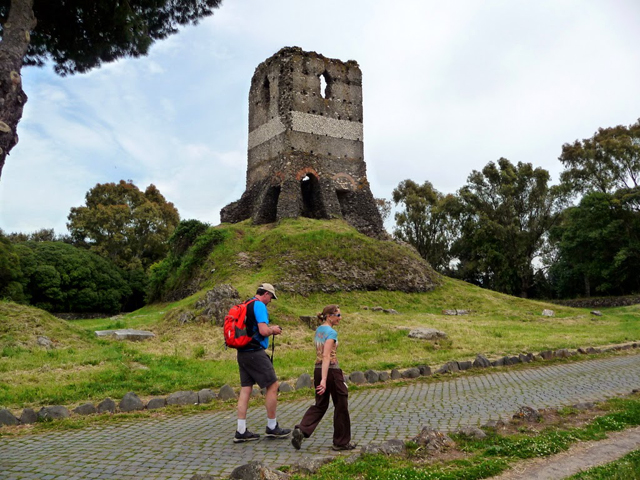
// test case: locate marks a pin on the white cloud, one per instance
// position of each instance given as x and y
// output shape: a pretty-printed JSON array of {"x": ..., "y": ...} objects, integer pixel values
[{"x": 448, "y": 87}]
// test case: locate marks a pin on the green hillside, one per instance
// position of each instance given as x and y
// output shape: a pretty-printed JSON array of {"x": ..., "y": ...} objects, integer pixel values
[{"x": 312, "y": 264}]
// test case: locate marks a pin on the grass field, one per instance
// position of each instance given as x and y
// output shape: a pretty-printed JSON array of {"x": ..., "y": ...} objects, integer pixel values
[{"x": 83, "y": 367}]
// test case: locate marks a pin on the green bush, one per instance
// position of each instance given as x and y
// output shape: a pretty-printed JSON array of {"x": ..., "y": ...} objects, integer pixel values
[
  {"x": 62, "y": 278},
  {"x": 191, "y": 243}
]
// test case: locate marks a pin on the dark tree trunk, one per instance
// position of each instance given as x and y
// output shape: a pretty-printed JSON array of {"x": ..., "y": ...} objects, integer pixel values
[{"x": 13, "y": 48}]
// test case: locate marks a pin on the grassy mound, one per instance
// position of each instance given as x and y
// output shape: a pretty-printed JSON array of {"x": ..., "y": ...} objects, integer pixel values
[
  {"x": 20, "y": 327},
  {"x": 297, "y": 256}
]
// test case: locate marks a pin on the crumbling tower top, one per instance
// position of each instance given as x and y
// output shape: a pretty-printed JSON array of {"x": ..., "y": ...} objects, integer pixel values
[{"x": 305, "y": 155}]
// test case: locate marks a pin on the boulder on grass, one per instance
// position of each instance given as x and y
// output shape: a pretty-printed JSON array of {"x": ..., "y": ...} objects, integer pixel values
[{"x": 130, "y": 402}]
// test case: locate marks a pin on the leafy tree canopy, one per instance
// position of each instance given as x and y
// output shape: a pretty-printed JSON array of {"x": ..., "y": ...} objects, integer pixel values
[
  {"x": 606, "y": 162},
  {"x": 78, "y": 35},
  {"x": 123, "y": 224},
  {"x": 59, "y": 277},
  {"x": 597, "y": 247},
  {"x": 427, "y": 221},
  {"x": 506, "y": 213}
]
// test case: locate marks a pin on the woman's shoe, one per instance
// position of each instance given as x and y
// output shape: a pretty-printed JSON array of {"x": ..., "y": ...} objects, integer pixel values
[{"x": 348, "y": 446}]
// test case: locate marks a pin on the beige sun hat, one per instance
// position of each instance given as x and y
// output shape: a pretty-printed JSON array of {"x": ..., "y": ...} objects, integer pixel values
[{"x": 269, "y": 288}]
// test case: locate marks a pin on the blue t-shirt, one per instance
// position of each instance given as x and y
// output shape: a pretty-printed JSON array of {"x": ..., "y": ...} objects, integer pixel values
[
  {"x": 324, "y": 333},
  {"x": 262, "y": 316}
]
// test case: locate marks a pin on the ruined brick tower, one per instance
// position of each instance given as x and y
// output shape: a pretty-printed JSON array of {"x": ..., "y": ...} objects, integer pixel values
[{"x": 306, "y": 155}]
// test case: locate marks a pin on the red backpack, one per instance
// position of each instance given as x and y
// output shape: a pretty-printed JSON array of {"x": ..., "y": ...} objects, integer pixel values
[{"x": 235, "y": 326}]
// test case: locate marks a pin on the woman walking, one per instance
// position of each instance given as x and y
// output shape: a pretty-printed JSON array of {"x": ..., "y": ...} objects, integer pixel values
[{"x": 328, "y": 380}]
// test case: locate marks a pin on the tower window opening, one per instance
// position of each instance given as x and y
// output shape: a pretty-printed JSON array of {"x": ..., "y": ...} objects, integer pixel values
[
  {"x": 325, "y": 84},
  {"x": 312, "y": 204}
]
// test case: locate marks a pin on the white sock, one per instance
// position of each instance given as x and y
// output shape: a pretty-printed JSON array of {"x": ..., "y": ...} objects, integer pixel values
[
  {"x": 272, "y": 423},
  {"x": 242, "y": 425}
]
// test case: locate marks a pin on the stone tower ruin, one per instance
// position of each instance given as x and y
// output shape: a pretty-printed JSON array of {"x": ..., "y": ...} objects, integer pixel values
[{"x": 306, "y": 154}]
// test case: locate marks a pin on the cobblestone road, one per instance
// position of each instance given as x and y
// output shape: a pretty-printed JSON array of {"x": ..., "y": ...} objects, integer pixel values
[{"x": 178, "y": 447}]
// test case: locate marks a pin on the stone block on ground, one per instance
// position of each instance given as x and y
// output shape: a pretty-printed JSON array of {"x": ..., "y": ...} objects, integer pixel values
[
  {"x": 28, "y": 416},
  {"x": 256, "y": 392},
  {"x": 8, "y": 418},
  {"x": 126, "y": 334},
  {"x": 562, "y": 353},
  {"x": 383, "y": 376},
  {"x": 257, "y": 470},
  {"x": 185, "y": 397},
  {"x": 498, "y": 362},
  {"x": 107, "y": 405},
  {"x": 395, "y": 374},
  {"x": 494, "y": 424},
  {"x": 425, "y": 370},
  {"x": 547, "y": 354},
  {"x": 285, "y": 387},
  {"x": 206, "y": 395},
  {"x": 527, "y": 414},
  {"x": 465, "y": 365},
  {"x": 54, "y": 412},
  {"x": 377, "y": 309},
  {"x": 391, "y": 311},
  {"x": 304, "y": 381},
  {"x": 472, "y": 432},
  {"x": 548, "y": 313},
  {"x": 310, "y": 465},
  {"x": 85, "y": 409},
  {"x": 155, "y": 403},
  {"x": 227, "y": 393},
  {"x": 389, "y": 447},
  {"x": 357, "y": 377},
  {"x": 427, "y": 334},
  {"x": 449, "y": 367},
  {"x": 433, "y": 440},
  {"x": 130, "y": 403},
  {"x": 412, "y": 372},
  {"x": 372, "y": 376},
  {"x": 596, "y": 313},
  {"x": 44, "y": 342},
  {"x": 481, "y": 362}
]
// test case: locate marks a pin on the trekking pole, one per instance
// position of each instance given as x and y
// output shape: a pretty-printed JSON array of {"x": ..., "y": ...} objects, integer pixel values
[{"x": 273, "y": 347}]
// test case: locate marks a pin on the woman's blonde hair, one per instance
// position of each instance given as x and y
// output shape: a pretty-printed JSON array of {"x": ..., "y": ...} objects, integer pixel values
[{"x": 328, "y": 310}]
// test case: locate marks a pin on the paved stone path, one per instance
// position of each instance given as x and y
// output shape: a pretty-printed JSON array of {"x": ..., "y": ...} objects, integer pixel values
[
  {"x": 178, "y": 447},
  {"x": 579, "y": 458}
]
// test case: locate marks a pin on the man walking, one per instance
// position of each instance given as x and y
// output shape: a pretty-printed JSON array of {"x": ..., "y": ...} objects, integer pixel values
[{"x": 256, "y": 367}]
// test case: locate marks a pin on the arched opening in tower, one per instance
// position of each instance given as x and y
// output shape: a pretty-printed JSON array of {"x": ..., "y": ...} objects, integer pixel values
[
  {"x": 269, "y": 208},
  {"x": 312, "y": 204}
]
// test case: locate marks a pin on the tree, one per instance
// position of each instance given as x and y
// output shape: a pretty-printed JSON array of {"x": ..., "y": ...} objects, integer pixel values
[
  {"x": 427, "y": 221},
  {"x": 384, "y": 208},
  {"x": 11, "y": 276},
  {"x": 123, "y": 224},
  {"x": 62, "y": 278},
  {"x": 597, "y": 245},
  {"x": 606, "y": 162},
  {"x": 78, "y": 35},
  {"x": 507, "y": 211}
]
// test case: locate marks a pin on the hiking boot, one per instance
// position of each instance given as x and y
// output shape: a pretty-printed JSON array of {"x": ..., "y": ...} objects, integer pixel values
[
  {"x": 277, "y": 432},
  {"x": 247, "y": 436},
  {"x": 348, "y": 446},
  {"x": 297, "y": 438}
]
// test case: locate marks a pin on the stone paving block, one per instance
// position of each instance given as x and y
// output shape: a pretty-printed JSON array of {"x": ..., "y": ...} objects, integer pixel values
[{"x": 179, "y": 447}]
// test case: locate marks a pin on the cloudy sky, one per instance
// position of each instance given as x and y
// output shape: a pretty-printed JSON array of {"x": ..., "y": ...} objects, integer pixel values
[{"x": 448, "y": 87}]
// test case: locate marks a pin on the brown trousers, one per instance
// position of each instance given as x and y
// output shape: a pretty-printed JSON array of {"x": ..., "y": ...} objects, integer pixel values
[{"x": 337, "y": 389}]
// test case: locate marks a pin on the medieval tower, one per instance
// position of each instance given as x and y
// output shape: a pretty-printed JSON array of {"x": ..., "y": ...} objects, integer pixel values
[{"x": 306, "y": 152}]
